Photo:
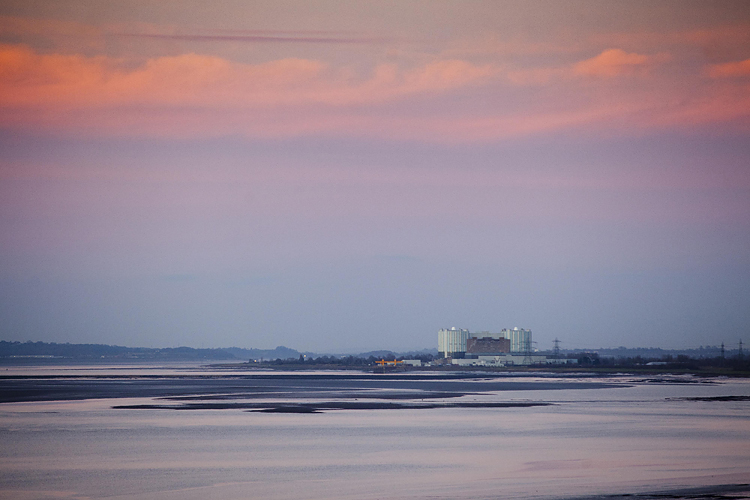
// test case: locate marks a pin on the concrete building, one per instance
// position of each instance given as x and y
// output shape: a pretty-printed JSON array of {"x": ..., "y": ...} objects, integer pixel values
[
  {"x": 520, "y": 339},
  {"x": 512, "y": 346},
  {"x": 452, "y": 342},
  {"x": 460, "y": 343},
  {"x": 486, "y": 345},
  {"x": 501, "y": 360}
]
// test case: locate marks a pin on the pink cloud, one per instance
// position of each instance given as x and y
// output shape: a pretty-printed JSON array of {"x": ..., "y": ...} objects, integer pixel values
[
  {"x": 31, "y": 79},
  {"x": 615, "y": 62},
  {"x": 195, "y": 95},
  {"x": 730, "y": 69}
]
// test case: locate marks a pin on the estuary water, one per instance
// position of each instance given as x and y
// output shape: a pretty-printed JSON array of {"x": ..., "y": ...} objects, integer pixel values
[{"x": 621, "y": 435}]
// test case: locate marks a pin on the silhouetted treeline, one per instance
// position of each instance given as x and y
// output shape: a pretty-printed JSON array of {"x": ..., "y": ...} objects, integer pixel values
[
  {"x": 655, "y": 353},
  {"x": 738, "y": 361},
  {"x": 347, "y": 361},
  {"x": 279, "y": 352}
]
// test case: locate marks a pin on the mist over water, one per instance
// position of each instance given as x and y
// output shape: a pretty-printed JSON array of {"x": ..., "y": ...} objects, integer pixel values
[{"x": 632, "y": 435}]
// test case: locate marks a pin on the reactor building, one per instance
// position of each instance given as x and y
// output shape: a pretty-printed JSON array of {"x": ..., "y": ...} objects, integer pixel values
[{"x": 452, "y": 342}]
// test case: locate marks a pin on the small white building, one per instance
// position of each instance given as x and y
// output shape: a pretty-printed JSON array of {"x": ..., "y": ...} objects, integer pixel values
[{"x": 502, "y": 360}]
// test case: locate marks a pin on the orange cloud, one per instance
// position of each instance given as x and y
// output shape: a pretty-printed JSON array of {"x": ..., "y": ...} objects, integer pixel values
[
  {"x": 730, "y": 69},
  {"x": 65, "y": 81},
  {"x": 614, "y": 62}
]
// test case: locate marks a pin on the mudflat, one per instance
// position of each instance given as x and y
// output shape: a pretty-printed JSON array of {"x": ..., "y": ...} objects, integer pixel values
[{"x": 290, "y": 391}]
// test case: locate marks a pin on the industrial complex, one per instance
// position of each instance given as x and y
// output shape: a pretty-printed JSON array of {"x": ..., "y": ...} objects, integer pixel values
[{"x": 512, "y": 346}]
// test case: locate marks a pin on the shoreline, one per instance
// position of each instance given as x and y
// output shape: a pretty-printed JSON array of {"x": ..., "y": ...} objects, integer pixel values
[{"x": 733, "y": 491}]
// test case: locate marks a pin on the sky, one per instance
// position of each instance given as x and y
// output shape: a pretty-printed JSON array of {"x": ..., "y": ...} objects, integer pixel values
[{"x": 349, "y": 176}]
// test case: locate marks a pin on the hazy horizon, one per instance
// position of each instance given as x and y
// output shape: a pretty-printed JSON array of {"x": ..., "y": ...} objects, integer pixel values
[
  {"x": 340, "y": 177},
  {"x": 728, "y": 348}
]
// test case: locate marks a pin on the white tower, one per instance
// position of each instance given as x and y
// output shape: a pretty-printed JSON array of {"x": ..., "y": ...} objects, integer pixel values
[{"x": 452, "y": 342}]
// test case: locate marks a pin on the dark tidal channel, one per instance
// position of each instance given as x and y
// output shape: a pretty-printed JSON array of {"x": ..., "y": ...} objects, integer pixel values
[{"x": 288, "y": 393}]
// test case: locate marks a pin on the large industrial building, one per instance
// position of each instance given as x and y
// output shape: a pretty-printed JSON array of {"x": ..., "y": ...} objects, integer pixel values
[
  {"x": 452, "y": 342},
  {"x": 487, "y": 345},
  {"x": 512, "y": 346}
]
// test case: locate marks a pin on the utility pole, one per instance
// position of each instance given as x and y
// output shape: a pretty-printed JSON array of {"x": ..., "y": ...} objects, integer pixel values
[
  {"x": 527, "y": 352},
  {"x": 556, "y": 349},
  {"x": 739, "y": 355},
  {"x": 722, "y": 351}
]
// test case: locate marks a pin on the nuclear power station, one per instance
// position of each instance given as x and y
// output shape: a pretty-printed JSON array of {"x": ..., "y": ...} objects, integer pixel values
[{"x": 511, "y": 346}]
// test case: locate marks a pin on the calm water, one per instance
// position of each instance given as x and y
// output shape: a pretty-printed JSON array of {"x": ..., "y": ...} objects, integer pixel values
[{"x": 637, "y": 437}]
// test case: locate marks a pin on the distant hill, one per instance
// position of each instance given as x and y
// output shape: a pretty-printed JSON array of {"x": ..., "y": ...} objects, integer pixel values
[
  {"x": 51, "y": 350},
  {"x": 417, "y": 354},
  {"x": 377, "y": 354}
]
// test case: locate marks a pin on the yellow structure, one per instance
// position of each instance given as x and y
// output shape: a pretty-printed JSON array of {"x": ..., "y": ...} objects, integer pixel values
[{"x": 383, "y": 362}]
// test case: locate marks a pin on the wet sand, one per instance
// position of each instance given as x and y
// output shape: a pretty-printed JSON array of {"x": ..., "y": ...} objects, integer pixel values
[
  {"x": 317, "y": 407},
  {"x": 718, "y": 492},
  {"x": 285, "y": 386}
]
